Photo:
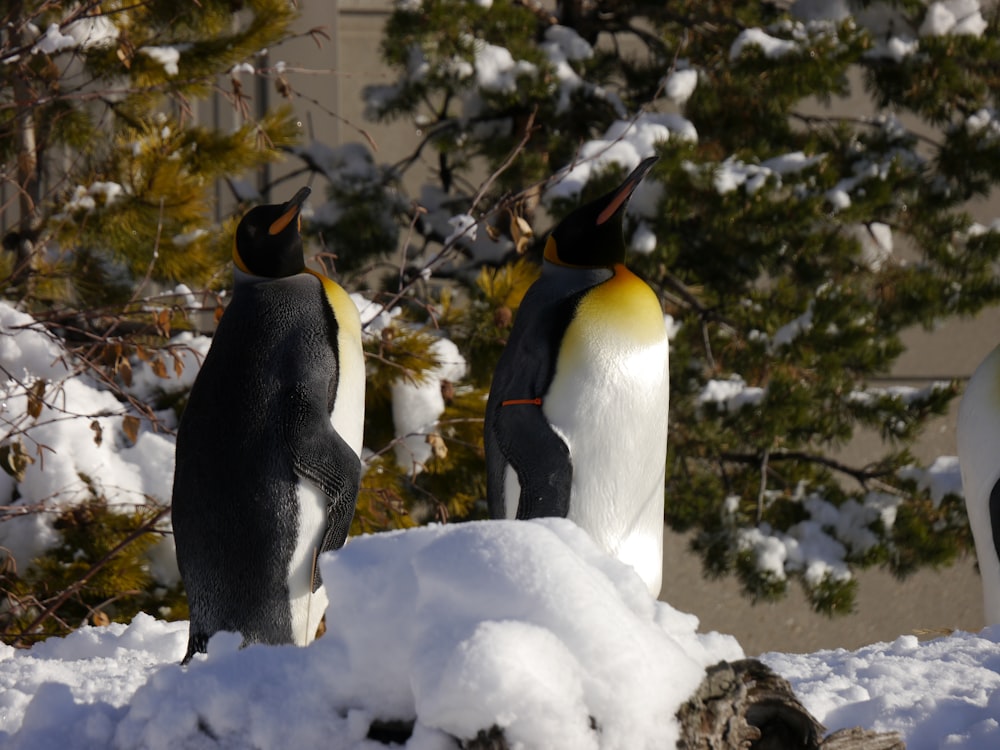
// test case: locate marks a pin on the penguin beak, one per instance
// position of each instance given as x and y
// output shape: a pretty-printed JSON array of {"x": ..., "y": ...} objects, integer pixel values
[
  {"x": 291, "y": 211},
  {"x": 627, "y": 188}
]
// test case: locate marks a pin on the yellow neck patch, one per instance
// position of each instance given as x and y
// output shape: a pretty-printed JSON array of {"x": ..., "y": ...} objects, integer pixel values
[
  {"x": 626, "y": 303},
  {"x": 342, "y": 305}
]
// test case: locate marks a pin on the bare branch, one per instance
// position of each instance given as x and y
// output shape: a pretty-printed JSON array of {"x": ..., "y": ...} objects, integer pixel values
[{"x": 51, "y": 609}]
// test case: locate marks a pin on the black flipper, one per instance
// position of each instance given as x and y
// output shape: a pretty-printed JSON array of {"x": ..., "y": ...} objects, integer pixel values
[
  {"x": 323, "y": 457},
  {"x": 540, "y": 458},
  {"x": 995, "y": 517},
  {"x": 517, "y": 433}
]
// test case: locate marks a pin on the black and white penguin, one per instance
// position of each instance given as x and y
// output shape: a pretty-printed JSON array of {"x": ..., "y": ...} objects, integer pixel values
[
  {"x": 576, "y": 422},
  {"x": 978, "y": 437},
  {"x": 268, "y": 448}
]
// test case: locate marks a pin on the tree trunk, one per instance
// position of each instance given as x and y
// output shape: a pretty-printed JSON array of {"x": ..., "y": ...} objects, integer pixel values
[
  {"x": 741, "y": 705},
  {"x": 744, "y": 704},
  {"x": 22, "y": 242}
]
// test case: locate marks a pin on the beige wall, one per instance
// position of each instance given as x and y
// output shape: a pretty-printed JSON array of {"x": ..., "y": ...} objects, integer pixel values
[{"x": 327, "y": 77}]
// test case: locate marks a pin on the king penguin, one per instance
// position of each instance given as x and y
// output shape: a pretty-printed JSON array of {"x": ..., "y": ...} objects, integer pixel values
[
  {"x": 978, "y": 438},
  {"x": 576, "y": 420},
  {"x": 268, "y": 447}
]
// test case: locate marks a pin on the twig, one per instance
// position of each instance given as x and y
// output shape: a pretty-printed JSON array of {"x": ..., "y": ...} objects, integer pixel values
[
  {"x": 763, "y": 485},
  {"x": 862, "y": 476},
  {"x": 511, "y": 157},
  {"x": 82, "y": 581}
]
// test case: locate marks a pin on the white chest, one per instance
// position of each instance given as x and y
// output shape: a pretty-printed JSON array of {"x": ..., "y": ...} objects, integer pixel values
[
  {"x": 978, "y": 438},
  {"x": 609, "y": 402}
]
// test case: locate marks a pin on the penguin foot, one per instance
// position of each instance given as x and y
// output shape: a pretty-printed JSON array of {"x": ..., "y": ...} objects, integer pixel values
[
  {"x": 197, "y": 644},
  {"x": 390, "y": 731}
]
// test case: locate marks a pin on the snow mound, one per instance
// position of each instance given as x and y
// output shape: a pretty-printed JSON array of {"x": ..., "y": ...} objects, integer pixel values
[{"x": 522, "y": 625}]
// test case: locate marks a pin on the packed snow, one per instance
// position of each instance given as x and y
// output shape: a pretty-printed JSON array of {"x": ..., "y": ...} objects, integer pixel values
[
  {"x": 731, "y": 394},
  {"x": 168, "y": 57},
  {"x": 771, "y": 46},
  {"x": 680, "y": 84},
  {"x": 417, "y": 406},
  {"x": 733, "y": 173},
  {"x": 457, "y": 628},
  {"x": 86, "y": 31},
  {"x": 894, "y": 37}
]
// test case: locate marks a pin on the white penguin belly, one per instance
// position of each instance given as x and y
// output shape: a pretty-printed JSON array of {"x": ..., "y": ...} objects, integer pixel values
[
  {"x": 978, "y": 437},
  {"x": 608, "y": 401},
  {"x": 307, "y": 606}
]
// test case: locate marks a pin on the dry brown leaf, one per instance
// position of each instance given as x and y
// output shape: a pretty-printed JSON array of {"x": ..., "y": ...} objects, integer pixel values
[
  {"x": 36, "y": 398},
  {"x": 438, "y": 446},
  {"x": 162, "y": 321},
  {"x": 447, "y": 391},
  {"x": 130, "y": 426},
  {"x": 15, "y": 460},
  {"x": 283, "y": 87},
  {"x": 124, "y": 368},
  {"x": 160, "y": 368},
  {"x": 521, "y": 232}
]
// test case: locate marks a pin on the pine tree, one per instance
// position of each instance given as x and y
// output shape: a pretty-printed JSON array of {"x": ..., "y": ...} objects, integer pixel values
[
  {"x": 790, "y": 249},
  {"x": 108, "y": 185}
]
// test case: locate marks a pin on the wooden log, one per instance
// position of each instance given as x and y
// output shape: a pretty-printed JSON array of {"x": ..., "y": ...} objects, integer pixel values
[
  {"x": 740, "y": 705},
  {"x": 746, "y": 704}
]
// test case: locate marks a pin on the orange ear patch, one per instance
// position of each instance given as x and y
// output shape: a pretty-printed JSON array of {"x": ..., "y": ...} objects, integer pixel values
[{"x": 551, "y": 252}]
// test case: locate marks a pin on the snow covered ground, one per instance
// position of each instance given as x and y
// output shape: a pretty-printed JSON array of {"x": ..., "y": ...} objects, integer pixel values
[{"x": 524, "y": 625}]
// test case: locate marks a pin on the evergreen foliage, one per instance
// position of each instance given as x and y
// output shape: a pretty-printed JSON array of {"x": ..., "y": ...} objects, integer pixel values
[
  {"x": 99, "y": 573},
  {"x": 791, "y": 248},
  {"x": 115, "y": 177}
]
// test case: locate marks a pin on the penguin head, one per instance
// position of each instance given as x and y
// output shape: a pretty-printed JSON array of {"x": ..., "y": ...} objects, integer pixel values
[
  {"x": 592, "y": 235},
  {"x": 267, "y": 241}
]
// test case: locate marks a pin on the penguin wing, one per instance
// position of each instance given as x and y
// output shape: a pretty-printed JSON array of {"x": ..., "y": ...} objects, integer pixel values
[
  {"x": 322, "y": 456},
  {"x": 524, "y": 440},
  {"x": 518, "y": 434}
]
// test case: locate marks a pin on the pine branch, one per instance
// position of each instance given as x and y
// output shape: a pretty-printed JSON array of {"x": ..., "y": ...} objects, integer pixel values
[
  {"x": 863, "y": 476},
  {"x": 147, "y": 527}
]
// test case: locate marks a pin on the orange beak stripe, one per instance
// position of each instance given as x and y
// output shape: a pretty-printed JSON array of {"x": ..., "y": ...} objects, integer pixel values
[
  {"x": 283, "y": 221},
  {"x": 623, "y": 195}
]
